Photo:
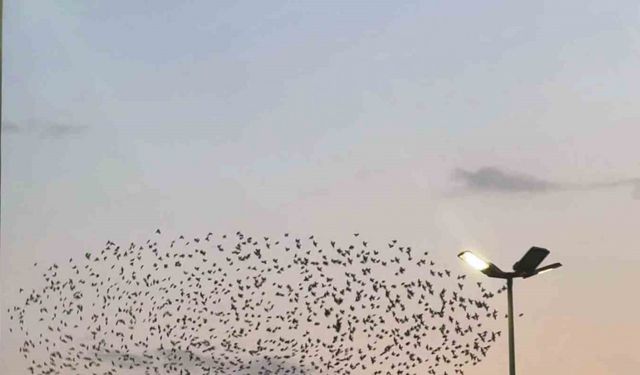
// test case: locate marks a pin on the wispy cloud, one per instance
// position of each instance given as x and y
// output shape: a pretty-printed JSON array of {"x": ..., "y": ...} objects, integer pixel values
[
  {"x": 632, "y": 182},
  {"x": 59, "y": 131},
  {"x": 190, "y": 360},
  {"x": 10, "y": 127},
  {"x": 43, "y": 129},
  {"x": 493, "y": 179}
]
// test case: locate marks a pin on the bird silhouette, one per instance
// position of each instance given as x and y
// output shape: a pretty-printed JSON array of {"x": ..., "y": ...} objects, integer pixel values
[{"x": 243, "y": 304}]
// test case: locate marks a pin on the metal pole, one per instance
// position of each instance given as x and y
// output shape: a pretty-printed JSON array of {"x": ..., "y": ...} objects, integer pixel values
[{"x": 512, "y": 350}]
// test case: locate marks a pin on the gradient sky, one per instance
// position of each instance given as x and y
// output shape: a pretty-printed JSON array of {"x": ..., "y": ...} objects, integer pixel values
[{"x": 421, "y": 121}]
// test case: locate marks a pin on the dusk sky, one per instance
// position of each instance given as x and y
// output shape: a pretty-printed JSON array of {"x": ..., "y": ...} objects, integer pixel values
[{"x": 493, "y": 126}]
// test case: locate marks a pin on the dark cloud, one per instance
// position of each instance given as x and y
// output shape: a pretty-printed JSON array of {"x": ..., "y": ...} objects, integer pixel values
[
  {"x": 192, "y": 361},
  {"x": 494, "y": 179},
  {"x": 10, "y": 127},
  {"x": 267, "y": 365},
  {"x": 43, "y": 129}
]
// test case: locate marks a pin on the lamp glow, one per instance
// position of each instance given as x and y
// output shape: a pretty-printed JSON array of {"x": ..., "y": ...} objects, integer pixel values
[
  {"x": 473, "y": 260},
  {"x": 548, "y": 268}
]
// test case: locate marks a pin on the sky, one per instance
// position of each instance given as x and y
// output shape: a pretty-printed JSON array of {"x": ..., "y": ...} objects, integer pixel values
[{"x": 493, "y": 126}]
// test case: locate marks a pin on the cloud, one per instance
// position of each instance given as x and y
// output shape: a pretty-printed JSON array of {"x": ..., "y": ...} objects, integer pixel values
[
  {"x": 633, "y": 182},
  {"x": 492, "y": 179},
  {"x": 59, "y": 131},
  {"x": 10, "y": 127},
  {"x": 496, "y": 180},
  {"x": 43, "y": 129},
  {"x": 189, "y": 360}
]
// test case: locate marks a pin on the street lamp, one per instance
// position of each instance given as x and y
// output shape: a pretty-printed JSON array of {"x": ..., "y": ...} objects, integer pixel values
[{"x": 524, "y": 268}]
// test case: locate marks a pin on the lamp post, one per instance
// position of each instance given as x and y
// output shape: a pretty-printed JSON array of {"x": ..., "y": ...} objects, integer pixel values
[{"x": 524, "y": 268}]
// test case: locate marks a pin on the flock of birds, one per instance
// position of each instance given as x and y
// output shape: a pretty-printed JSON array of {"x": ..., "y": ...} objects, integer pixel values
[{"x": 238, "y": 304}]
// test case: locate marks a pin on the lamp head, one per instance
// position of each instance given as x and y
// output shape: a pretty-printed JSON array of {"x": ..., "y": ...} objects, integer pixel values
[
  {"x": 482, "y": 265},
  {"x": 529, "y": 261},
  {"x": 525, "y": 267},
  {"x": 544, "y": 269},
  {"x": 474, "y": 260}
]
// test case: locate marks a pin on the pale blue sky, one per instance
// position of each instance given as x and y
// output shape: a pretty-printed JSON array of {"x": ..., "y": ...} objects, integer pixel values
[{"x": 331, "y": 117}]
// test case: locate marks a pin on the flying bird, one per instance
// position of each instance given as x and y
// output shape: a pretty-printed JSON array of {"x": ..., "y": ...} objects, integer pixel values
[{"x": 244, "y": 306}]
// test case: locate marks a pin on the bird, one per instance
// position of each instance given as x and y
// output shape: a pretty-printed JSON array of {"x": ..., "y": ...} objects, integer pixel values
[{"x": 236, "y": 304}]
